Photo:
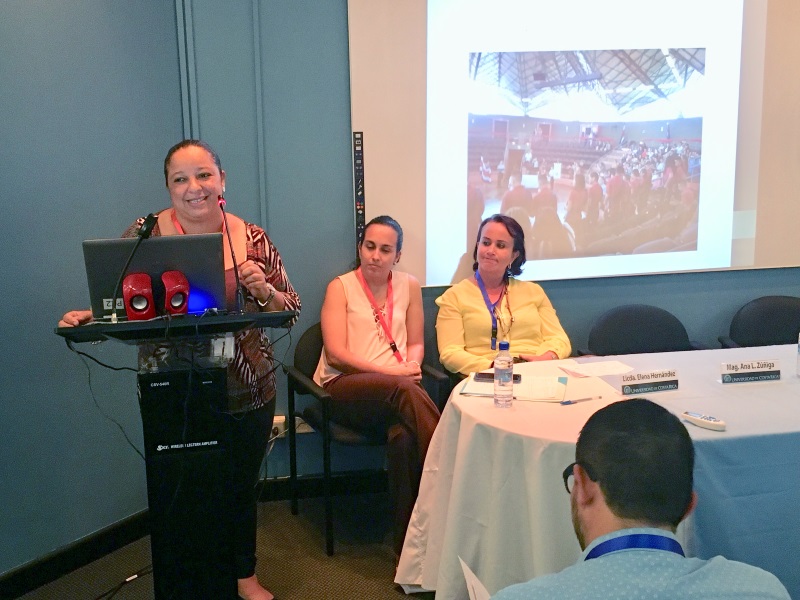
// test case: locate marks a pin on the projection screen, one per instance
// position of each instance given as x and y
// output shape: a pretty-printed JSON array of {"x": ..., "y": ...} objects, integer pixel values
[{"x": 676, "y": 116}]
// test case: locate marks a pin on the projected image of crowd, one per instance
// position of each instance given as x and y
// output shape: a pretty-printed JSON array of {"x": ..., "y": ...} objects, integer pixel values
[{"x": 594, "y": 153}]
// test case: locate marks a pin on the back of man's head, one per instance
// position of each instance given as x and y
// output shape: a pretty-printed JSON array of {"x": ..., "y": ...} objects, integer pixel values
[{"x": 642, "y": 457}]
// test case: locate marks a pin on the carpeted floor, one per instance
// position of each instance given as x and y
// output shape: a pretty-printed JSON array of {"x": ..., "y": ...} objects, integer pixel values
[{"x": 292, "y": 562}]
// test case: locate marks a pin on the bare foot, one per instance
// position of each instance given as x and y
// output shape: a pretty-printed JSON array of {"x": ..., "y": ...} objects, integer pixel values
[{"x": 250, "y": 589}]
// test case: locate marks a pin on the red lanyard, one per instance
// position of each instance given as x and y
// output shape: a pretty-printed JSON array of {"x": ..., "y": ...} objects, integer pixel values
[
  {"x": 387, "y": 329},
  {"x": 178, "y": 225}
]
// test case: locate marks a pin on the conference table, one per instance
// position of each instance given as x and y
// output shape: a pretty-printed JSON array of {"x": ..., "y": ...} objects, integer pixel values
[{"x": 492, "y": 493}]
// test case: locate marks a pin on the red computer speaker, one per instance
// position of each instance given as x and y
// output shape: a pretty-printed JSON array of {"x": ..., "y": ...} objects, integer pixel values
[
  {"x": 137, "y": 292},
  {"x": 176, "y": 292}
]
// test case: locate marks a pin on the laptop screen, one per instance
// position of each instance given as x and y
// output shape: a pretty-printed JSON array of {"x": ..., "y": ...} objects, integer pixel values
[{"x": 198, "y": 256}]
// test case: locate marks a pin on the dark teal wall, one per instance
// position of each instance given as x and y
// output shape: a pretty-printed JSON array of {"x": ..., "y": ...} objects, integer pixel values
[
  {"x": 90, "y": 94},
  {"x": 90, "y": 99}
]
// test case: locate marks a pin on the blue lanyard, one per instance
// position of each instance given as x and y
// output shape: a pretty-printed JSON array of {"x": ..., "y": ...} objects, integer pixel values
[
  {"x": 636, "y": 540},
  {"x": 490, "y": 307}
]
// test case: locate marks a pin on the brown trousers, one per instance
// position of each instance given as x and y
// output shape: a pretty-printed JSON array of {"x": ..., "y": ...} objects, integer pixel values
[{"x": 399, "y": 406}]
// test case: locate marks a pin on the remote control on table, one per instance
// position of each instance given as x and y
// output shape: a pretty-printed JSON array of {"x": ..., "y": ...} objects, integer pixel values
[{"x": 704, "y": 421}]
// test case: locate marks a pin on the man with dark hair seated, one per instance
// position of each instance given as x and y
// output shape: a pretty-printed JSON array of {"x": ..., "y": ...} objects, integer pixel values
[{"x": 630, "y": 486}]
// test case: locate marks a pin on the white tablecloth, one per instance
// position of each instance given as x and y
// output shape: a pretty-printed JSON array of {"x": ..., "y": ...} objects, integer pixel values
[{"x": 492, "y": 491}]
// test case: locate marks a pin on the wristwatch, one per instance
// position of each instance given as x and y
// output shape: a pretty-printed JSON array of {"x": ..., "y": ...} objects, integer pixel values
[{"x": 269, "y": 299}]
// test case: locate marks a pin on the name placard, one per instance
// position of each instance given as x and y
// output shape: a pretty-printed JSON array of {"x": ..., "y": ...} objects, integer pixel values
[
  {"x": 647, "y": 382},
  {"x": 750, "y": 370}
]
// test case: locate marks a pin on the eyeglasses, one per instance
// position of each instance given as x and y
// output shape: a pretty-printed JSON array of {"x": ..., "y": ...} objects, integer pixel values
[{"x": 569, "y": 480}]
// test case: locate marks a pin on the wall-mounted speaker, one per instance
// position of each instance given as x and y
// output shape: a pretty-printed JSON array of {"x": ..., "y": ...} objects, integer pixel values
[
  {"x": 176, "y": 292},
  {"x": 137, "y": 293}
]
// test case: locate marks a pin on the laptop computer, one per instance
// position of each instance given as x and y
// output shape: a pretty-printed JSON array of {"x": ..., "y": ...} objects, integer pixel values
[{"x": 198, "y": 256}]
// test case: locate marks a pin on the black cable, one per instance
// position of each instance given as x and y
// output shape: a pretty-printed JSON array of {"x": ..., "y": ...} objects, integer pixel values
[
  {"x": 83, "y": 356},
  {"x": 108, "y": 594},
  {"x": 262, "y": 482},
  {"x": 90, "y": 357},
  {"x": 185, "y": 431},
  {"x": 276, "y": 361},
  {"x": 239, "y": 306}
]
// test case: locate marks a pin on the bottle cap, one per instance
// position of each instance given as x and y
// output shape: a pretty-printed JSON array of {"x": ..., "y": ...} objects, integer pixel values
[{"x": 504, "y": 346}]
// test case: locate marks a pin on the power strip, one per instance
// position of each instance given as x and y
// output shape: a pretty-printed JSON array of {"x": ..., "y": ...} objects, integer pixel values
[{"x": 280, "y": 427}]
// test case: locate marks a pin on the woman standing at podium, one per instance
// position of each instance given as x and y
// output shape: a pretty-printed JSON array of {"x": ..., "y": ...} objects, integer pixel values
[{"x": 196, "y": 184}]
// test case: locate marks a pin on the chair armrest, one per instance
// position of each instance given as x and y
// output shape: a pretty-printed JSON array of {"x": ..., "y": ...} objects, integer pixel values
[
  {"x": 437, "y": 375},
  {"x": 698, "y": 345},
  {"x": 437, "y": 384},
  {"x": 727, "y": 342},
  {"x": 303, "y": 384}
]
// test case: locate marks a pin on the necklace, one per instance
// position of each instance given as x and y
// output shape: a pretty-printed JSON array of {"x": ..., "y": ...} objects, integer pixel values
[{"x": 500, "y": 318}]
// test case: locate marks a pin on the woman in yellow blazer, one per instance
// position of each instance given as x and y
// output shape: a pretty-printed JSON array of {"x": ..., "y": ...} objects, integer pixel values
[{"x": 491, "y": 306}]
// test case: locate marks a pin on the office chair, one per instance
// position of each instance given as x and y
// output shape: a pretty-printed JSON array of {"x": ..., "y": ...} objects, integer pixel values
[
  {"x": 317, "y": 414},
  {"x": 764, "y": 321},
  {"x": 636, "y": 329}
]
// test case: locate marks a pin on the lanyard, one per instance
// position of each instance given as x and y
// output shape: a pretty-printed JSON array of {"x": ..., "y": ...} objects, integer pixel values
[
  {"x": 387, "y": 329},
  {"x": 178, "y": 227},
  {"x": 636, "y": 540},
  {"x": 490, "y": 307}
]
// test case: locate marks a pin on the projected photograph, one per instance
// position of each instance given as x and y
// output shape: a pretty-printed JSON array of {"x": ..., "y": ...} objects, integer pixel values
[{"x": 594, "y": 152}]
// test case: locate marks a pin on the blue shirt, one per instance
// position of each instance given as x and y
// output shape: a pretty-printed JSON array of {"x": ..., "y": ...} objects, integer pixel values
[{"x": 639, "y": 574}]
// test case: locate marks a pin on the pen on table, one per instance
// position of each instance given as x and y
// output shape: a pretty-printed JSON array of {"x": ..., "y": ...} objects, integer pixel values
[{"x": 576, "y": 400}]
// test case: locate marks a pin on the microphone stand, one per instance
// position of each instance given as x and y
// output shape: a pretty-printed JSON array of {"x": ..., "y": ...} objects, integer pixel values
[
  {"x": 144, "y": 232},
  {"x": 239, "y": 293}
]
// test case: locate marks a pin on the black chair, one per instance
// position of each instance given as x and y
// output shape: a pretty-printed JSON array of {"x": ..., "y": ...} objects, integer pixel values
[
  {"x": 317, "y": 414},
  {"x": 636, "y": 329},
  {"x": 765, "y": 321}
]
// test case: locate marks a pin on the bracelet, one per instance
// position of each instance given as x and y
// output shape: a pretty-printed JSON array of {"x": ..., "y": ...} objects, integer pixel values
[
  {"x": 554, "y": 354},
  {"x": 269, "y": 299}
]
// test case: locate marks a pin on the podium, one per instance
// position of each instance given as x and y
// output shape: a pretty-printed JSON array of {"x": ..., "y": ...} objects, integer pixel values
[{"x": 186, "y": 430}]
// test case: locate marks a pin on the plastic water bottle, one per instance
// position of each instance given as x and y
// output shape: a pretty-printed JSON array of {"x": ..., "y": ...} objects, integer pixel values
[{"x": 503, "y": 377}]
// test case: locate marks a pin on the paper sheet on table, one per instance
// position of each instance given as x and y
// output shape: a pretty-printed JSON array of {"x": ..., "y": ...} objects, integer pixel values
[
  {"x": 530, "y": 388},
  {"x": 476, "y": 590},
  {"x": 580, "y": 389},
  {"x": 594, "y": 369}
]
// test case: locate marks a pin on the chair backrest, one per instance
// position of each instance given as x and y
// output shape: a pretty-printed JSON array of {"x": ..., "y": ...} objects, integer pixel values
[
  {"x": 766, "y": 321},
  {"x": 637, "y": 328},
  {"x": 308, "y": 350}
]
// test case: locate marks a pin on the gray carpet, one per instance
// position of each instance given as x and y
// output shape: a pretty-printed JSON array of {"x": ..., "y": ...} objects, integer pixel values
[{"x": 292, "y": 562}]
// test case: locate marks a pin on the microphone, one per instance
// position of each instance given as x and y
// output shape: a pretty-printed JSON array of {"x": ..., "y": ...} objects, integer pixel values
[
  {"x": 147, "y": 227},
  {"x": 143, "y": 233},
  {"x": 239, "y": 293}
]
